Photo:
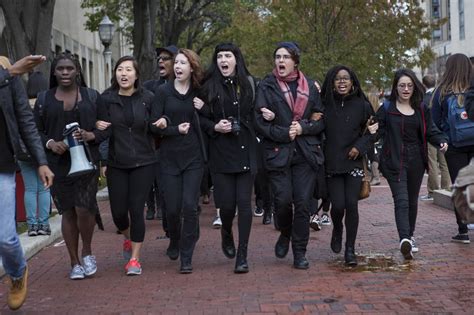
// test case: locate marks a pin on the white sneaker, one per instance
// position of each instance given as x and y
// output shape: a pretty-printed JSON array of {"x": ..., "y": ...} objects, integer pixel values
[
  {"x": 77, "y": 272},
  {"x": 217, "y": 223},
  {"x": 414, "y": 248},
  {"x": 325, "y": 219},
  {"x": 89, "y": 264},
  {"x": 314, "y": 223},
  {"x": 406, "y": 249}
]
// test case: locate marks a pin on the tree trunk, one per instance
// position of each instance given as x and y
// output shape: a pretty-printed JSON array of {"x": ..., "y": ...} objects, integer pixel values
[{"x": 144, "y": 12}]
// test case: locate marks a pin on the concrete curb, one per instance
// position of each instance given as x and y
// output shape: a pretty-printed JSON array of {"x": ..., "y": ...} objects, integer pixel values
[{"x": 32, "y": 245}]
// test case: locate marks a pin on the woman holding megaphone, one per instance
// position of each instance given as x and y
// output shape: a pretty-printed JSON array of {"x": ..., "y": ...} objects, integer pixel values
[{"x": 70, "y": 102}]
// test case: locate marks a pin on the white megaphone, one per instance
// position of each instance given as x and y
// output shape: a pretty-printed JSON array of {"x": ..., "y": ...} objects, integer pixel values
[{"x": 80, "y": 164}]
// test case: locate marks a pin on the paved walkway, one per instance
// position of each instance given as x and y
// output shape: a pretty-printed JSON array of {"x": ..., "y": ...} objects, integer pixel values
[{"x": 440, "y": 280}]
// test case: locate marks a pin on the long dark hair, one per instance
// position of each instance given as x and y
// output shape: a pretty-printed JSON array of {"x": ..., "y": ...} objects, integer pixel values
[
  {"x": 115, "y": 85},
  {"x": 214, "y": 80},
  {"x": 328, "y": 88},
  {"x": 418, "y": 88},
  {"x": 68, "y": 56},
  {"x": 456, "y": 78}
]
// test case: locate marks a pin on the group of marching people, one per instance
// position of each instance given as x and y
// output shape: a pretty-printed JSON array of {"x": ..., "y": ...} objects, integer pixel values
[{"x": 190, "y": 118}]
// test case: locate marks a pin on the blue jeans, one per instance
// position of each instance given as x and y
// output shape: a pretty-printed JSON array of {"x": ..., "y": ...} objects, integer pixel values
[
  {"x": 36, "y": 197},
  {"x": 11, "y": 252}
]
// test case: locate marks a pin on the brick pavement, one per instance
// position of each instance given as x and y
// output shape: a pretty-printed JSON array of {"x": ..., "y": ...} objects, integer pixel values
[{"x": 440, "y": 279}]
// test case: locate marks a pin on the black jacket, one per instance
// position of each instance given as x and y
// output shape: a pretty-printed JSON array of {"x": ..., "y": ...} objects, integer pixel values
[
  {"x": 178, "y": 152},
  {"x": 278, "y": 147},
  {"x": 469, "y": 102},
  {"x": 231, "y": 152},
  {"x": 345, "y": 121},
  {"x": 19, "y": 118},
  {"x": 133, "y": 146},
  {"x": 50, "y": 120},
  {"x": 391, "y": 131}
]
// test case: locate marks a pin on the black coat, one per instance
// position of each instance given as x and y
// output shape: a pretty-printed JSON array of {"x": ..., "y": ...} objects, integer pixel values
[
  {"x": 277, "y": 145},
  {"x": 19, "y": 119},
  {"x": 133, "y": 146},
  {"x": 391, "y": 133},
  {"x": 469, "y": 102},
  {"x": 345, "y": 121},
  {"x": 230, "y": 152},
  {"x": 50, "y": 120}
]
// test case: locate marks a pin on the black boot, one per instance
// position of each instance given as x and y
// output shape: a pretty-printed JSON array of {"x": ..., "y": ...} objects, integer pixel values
[
  {"x": 300, "y": 262},
  {"x": 241, "y": 265},
  {"x": 350, "y": 257},
  {"x": 282, "y": 246},
  {"x": 336, "y": 240},
  {"x": 173, "y": 249},
  {"x": 267, "y": 217},
  {"x": 228, "y": 246},
  {"x": 186, "y": 266}
]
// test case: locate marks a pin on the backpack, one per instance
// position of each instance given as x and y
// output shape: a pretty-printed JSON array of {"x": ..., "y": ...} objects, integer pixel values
[
  {"x": 461, "y": 128},
  {"x": 463, "y": 193},
  {"x": 91, "y": 93}
]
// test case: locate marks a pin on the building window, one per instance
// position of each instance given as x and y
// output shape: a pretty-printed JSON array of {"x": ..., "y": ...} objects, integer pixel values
[{"x": 462, "y": 34}]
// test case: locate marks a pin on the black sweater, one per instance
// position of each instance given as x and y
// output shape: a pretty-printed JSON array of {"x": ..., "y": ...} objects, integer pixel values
[
  {"x": 178, "y": 152},
  {"x": 345, "y": 122}
]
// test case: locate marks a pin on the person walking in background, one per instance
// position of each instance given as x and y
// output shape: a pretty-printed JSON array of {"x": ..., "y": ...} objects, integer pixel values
[
  {"x": 286, "y": 101},
  {"x": 436, "y": 161},
  {"x": 155, "y": 202},
  {"x": 125, "y": 111},
  {"x": 449, "y": 94},
  {"x": 347, "y": 112},
  {"x": 16, "y": 122},
  {"x": 67, "y": 101},
  {"x": 405, "y": 127},
  {"x": 229, "y": 94},
  {"x": 37, "y": 199},
  {"x": 182, "y": 155}
]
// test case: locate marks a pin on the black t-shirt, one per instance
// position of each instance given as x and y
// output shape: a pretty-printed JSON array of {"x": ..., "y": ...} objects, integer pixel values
[
  {"x": 7, "y": 161},
  {"x": 411, "y": 130}
]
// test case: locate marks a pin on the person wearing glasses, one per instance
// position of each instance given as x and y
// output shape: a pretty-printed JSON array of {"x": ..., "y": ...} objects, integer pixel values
[
  {"x": 405, "y": 127},
  {"x": 155, "y": 203},
  {"x": 285, "y": 104},
  {"x": 347, "y": 111}
]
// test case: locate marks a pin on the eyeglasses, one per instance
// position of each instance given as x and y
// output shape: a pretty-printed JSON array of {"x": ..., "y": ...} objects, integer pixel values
[
  {"x": 165, "y": 58},
  {"x": 339, "y": 79},
  {"x": 284, "y": 57},
  {"x": 404, "y": 86}
]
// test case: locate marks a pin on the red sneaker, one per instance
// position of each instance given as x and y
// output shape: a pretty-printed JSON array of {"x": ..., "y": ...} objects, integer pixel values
[
  {"x": 133, "y": 267},
  {"x": 127, "y": 249}
]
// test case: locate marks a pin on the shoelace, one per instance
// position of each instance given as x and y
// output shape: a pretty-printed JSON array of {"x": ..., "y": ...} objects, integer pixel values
[{"x": 17, "y": 284}]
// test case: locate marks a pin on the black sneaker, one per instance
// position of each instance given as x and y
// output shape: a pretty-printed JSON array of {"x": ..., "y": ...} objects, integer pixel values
[
  {"x": 461, "y": 238},
  {"x": 32, "y": 229},
  {"x": 258, "y": 212},
  {"x": 44, "y": 229}
]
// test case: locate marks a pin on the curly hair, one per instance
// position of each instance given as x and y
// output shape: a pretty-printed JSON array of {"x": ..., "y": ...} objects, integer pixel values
[
  {"x": 328, "y": 88},
  {"x": 66, "y": 56}
]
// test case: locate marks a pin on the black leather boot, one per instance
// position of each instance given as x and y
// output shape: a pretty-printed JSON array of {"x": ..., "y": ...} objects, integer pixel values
[
  {"x": 186, "y": 266},
  {"x": 282, "y": 246},
  {"x": 350, "y": 257},
  {"x": 267, "y": 217},
  {"x": 173, "y": 249},
  {"x": 336, "y": 241},
  {"x": 300, "y": 262},
  {"x": 241, "y": 265},
  {"x": 228, "y": 246}
]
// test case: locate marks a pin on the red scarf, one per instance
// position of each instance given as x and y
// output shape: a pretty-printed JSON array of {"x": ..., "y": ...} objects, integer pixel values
[{"x": 297, "y": 106}]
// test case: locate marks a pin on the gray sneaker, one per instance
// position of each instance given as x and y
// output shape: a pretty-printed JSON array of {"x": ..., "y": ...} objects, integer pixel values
[
  {"x": 90, "y": 265},
  {"x": 77, "y": 272},
  {"x": 44, "y": 229}
]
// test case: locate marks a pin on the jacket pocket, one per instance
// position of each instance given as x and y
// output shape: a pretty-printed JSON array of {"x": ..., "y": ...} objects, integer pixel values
[{"x": 276, "y": 157}]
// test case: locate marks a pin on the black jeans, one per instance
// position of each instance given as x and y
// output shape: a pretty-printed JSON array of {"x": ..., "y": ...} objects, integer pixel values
[
  {"x": 344, "y": 192},
  {"x": 128, "y": 191},
  {"x": 231, "y": 190},
  {"x": 181, "y": 193},
  {"x": 293, "y": 187},
  {"x": 457, "y": 158},
  {"x": 405, "y": 191},
  {"x": 263, "y": 191}
]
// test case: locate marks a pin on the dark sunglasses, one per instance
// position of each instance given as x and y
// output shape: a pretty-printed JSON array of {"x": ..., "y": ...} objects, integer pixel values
[{"x": 164, "y": 58}]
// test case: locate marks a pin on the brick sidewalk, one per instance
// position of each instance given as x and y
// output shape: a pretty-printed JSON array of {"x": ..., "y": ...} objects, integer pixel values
[{"x": 439, "y": 280}]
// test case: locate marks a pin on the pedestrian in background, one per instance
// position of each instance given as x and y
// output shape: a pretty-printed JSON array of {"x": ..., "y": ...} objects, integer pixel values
[
  {"x": 125, "y": 111},
  {"x": 286, "y": 101},
  {"x": 454, "y": 83},
  {"x": 346, "y": 115},
  {"x": 16, "y": 122},
  {"x": 405, "y": 127},
  {"x": 436, "y": 161},
  {"x": 67, "y": 101}
]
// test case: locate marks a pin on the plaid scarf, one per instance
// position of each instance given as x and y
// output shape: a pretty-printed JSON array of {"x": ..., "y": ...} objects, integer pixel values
[{"x": 297, "y": 106}]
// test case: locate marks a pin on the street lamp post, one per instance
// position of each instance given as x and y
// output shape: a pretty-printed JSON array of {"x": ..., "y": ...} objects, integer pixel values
[{"x": 106, "y": 34}]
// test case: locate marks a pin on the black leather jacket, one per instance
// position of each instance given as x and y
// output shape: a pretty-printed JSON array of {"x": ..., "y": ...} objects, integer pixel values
[{"x": 19, "y": 118}]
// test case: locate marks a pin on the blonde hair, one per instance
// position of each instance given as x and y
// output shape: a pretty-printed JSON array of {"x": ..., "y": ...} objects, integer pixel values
[{"x": 4, "y": 62}]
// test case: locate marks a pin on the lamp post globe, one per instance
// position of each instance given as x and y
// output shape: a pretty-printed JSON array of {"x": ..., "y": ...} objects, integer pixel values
[{"x": 106, "y": 35}]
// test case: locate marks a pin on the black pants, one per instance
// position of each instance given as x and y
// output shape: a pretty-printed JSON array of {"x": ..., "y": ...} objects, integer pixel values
[
  {"x": 230, "y": 191},
  {"x": 293, "y": 188},
  {"x": 263, "y": 191},
  {"x": 181, "y": 193},
  {"x": 128, "y": 191},
  {"x": 344, "y": 196},
  {"x": 457, "y": 158},
  {"x": 405, "y": 191}
]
